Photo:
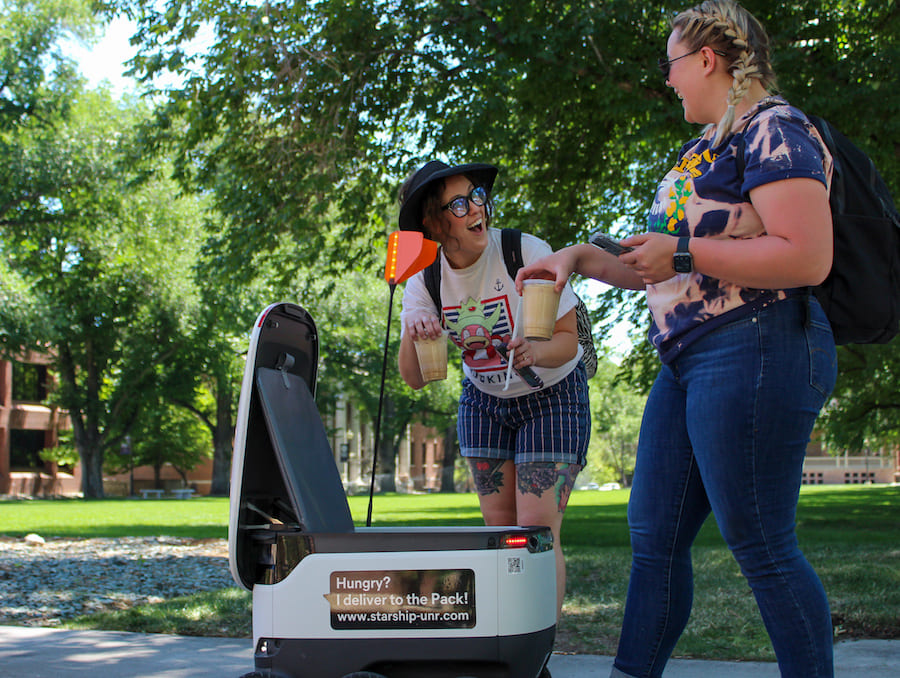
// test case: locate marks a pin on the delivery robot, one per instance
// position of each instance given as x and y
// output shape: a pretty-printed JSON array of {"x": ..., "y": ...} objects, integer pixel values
[{"x": 333, "y": 600}]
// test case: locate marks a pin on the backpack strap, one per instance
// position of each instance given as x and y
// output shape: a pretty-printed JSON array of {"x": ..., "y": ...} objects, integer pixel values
[
  {"x": 739, "y": 154},
  {"x": 836, "y": 197},
  {"x": 432, "y": 274},
  {"x": 511, "y": 243}
]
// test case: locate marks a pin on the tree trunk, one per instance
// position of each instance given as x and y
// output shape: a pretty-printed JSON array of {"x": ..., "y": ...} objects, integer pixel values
[
  {"x": 85, "y": 427},
  {"x": 183, "y": 473},
  {"x": 222, "y": 441},
  {"x": 92, "y": 471},
  {"x": 387, "y": 465},
  {"x": 387, "y": 452},
  {"x": 448, "y": 467},
  {"x": 90, "y": 450}
]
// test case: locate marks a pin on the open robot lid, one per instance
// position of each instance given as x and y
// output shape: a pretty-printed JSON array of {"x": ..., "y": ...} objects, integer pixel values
[{"x": 276, "y": 485}]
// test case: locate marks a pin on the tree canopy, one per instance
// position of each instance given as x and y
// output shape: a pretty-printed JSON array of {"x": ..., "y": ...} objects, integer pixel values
[
  {"x": 298, "y": 114},
  {"x": 295, "y": 123},
  {"x": 303, "y": 109},
  {"x": 37, "y": 78}
]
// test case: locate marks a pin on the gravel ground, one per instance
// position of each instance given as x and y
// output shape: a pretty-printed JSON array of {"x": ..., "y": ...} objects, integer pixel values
[{"x": 44, "y": 584}]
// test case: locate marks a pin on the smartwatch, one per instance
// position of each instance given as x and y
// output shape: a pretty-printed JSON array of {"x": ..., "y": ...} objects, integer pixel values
[{"x": 682, "y": 260}]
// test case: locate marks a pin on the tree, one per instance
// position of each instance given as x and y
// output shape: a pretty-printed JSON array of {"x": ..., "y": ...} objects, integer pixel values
[
  {"x": 162, "y": 434},
  {"x": 347, "y": 94},
  {"x": 216, "y": 377},
  {"x": 103, "y": 266},
  {"x": 38, "y": 79},
  {"x": 865, "y": 409},
  {"x": 204, "y": 375},
  {"x": 305, "y": 112},
  {"x": 616, "y": 412}
]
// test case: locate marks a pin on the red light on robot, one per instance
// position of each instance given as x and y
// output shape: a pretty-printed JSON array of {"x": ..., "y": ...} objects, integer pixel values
[{"x": 515, "y": 541}]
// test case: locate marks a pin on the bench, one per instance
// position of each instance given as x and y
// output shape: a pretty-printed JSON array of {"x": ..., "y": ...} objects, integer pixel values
[
  {"x": 183, "y": 493},
  {"x": 157, "y": 494}
]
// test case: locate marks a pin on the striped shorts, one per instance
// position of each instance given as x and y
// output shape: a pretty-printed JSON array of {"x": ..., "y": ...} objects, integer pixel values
[{"x": 550, "y": 425}]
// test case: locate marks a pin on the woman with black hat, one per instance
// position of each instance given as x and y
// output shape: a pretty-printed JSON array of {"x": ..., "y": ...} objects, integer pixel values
[{"x": 525, "y": 445}]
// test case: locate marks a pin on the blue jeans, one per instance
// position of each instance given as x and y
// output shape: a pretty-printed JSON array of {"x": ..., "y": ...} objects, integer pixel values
[{"x": 725, "y": 430}]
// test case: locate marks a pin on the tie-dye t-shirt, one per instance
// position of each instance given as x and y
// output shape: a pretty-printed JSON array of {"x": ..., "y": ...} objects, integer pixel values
[{"x": 705, "y": 196}]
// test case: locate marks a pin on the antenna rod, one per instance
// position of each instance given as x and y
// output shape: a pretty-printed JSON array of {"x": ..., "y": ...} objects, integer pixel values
[{"x": 387, "y": 336}]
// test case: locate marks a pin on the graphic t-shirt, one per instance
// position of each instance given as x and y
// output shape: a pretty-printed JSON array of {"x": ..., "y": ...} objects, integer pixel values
[
  {"x": 706, "y": 196},
  {"x": 479, "y": 310}
]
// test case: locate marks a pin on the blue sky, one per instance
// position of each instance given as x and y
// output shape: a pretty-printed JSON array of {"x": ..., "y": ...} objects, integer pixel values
[{"x": 105, "y": 60}]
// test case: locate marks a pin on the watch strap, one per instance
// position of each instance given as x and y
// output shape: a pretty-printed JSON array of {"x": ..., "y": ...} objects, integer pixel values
[{"x": 682, "y": 261}]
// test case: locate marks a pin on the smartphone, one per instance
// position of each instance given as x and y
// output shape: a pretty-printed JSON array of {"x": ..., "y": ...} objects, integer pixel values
[
  {"x": 528, "y": 375},
  {"x": 604, "y": 242}
]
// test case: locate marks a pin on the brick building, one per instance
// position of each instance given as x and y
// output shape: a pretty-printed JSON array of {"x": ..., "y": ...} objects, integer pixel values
[
  {"x": 820, "y": 468},
  {"x": 27, "y": 426}
]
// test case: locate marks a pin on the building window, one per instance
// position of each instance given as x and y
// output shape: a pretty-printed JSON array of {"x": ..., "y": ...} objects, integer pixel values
[
  {"x": 856, "y": 478},
  {"x": 24, "y": 449},
  {"x": 29, "y": 382}
]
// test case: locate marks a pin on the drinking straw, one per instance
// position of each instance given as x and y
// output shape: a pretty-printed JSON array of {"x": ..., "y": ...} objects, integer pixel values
[{"x": 512, "y": 353}]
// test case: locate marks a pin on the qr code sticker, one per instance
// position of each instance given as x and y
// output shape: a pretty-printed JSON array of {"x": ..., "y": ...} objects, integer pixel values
[{"x": 514, "y": 565}]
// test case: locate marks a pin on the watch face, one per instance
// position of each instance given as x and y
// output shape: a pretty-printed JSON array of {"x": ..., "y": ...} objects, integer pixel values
[{"x": 683, "y": 262}]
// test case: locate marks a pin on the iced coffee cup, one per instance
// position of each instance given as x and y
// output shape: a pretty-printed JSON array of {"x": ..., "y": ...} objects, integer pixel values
[
  {"x": 432, "y": 354},
  {"x": 540, "y": 302}
]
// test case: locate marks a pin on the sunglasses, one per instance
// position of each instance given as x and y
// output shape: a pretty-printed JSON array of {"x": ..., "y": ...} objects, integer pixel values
[
  {"x": 459, "y": 206},
  {"x": 665, "y": 65}
]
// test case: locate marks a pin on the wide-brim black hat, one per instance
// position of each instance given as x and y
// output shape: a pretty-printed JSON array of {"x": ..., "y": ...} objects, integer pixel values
[{"x": 411, "y": 209}]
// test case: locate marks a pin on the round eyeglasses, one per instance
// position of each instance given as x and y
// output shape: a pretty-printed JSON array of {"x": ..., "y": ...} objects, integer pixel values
[{"x": 459, "y": 206}]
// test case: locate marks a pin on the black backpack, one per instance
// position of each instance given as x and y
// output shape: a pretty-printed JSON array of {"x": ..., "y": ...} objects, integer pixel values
[
  {"x": 861, "y": 295},
  {"x": 511, "y": 243}
]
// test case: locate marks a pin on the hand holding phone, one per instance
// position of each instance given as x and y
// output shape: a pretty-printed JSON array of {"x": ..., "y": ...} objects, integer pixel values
[
  {"x": 604, "y": 242},
  {"x": 527, "y": 374}
]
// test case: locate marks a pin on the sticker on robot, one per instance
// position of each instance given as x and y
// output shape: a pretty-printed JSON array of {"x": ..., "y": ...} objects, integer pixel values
[
  {"x": 514, "y": 565},
  {"x": 402, "y": 599}
]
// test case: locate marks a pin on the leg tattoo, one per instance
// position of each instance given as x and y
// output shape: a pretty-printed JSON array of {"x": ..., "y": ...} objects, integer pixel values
[
  {"x": 567, "y": 475},
  {"x": 536, "y": 477},
  {"x": 487, "y": 475}
]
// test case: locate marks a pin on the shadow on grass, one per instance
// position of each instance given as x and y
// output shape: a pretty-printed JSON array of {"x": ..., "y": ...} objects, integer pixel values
[
  {"x": 225, "y": 613},
  {"x": 848, "y": 534}
]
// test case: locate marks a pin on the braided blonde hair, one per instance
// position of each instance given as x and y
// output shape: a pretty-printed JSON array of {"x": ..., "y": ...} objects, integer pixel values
[{"x": 727, "y": 27}]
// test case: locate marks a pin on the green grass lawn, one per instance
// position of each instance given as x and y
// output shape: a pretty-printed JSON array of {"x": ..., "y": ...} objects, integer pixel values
[{"x": 849, "y": 533}]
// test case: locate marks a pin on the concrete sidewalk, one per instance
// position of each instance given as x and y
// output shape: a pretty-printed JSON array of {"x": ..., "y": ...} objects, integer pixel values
[{"x": 59, "y": 653}]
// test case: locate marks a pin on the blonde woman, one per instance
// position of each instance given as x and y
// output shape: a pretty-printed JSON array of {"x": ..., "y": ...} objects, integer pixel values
[{"x": 748, "y": 358}]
